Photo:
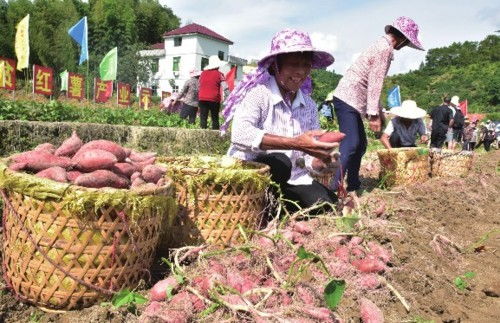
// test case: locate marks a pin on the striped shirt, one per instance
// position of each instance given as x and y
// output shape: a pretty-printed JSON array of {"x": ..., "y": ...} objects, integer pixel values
[
  {"x": 361, "y": 85},
  {"x": 263, "y": 111}
]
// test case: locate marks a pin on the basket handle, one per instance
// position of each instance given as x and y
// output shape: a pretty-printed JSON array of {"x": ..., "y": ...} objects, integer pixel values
[{"x": 52, "y": 262}]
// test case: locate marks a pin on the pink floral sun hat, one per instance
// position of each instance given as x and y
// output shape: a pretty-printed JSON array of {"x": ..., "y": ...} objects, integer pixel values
[
  {"x": 409, "y": 28},
  {"x": 290, "y": 41}
]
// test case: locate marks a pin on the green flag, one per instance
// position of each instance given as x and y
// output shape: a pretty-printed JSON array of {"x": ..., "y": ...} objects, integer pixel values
[
  {"x": 64, "y": 81},
  {"x": 108, "y": 66}
]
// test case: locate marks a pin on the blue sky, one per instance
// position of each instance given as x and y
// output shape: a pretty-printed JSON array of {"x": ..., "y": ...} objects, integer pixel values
[{"x": 343, "y": 28}]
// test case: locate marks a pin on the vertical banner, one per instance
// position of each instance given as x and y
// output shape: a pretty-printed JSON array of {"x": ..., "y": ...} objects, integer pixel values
[
  {"x": 22, "y": 43},
  {"x": 9, "y": 74},
  {"x": 145, "y": 98},
  {"x": 76, "y": 88},
  {"x": 123, "y": 97},
  {"x": 230, "y": 77},
  {"x": 165, "y": 94},
  {"x": 103, "y": 90},
  {"x": 463, "y": 107},
  {"x": 43, "y": 79}
]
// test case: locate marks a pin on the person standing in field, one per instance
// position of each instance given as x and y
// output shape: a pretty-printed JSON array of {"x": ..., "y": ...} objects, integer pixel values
[
  {"x": 442, "y": 121},
  {"x": 458, "y": 123},
  {"x": 209, "y": 93},
  {"x": 357, "y": 96},
  {"x": 189, "y": 97}
]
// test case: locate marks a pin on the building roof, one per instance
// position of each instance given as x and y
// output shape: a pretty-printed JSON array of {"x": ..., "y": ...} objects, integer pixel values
[
  {"x": 158, "y": 46},
  {"x": 197, "y": 29}
]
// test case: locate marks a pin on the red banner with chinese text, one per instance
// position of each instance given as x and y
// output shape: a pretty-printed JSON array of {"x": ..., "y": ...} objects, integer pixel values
[
  {"x": 165, "y": 94},
  {"x": 43, "y": 79},
  {"x": 76, "y": 86},
  {"x": 9, "y": 74},
  {"x": 103, "y": 90},
  {"x": 145, "y": 98},
  {"x": 123, "y": 97}
]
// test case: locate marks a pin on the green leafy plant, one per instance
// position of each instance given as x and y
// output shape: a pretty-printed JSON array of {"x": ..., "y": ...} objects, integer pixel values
[
  {"x": 461, "y": 283},
  {"x": 333, "y": 293},
  {"x": 129, "y": 299},
  {"x": 346, "y": 223}
]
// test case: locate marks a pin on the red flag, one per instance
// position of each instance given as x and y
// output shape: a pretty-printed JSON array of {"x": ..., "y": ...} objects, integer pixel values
[
  {"x": 463, "y": 106},
  {"x": 42, "y": 80},
  {"x": 103, "y": 90},
  {"x": 76, "y": 85},
  {"x": 230, "y": 76}
]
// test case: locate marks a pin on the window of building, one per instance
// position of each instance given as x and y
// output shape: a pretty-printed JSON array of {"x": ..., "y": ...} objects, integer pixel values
[
  {"x": 221, "y": 55},
  {"x": 177, "y": 41},
  {"x": 155, "y": 62},
  {"x": 204, "y": 62},
  {"x": 175, "y": 66}
]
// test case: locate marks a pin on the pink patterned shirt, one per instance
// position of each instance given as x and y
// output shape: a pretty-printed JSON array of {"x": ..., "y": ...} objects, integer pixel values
[
  {"x": 263, "y": 111},
  {"x": 361, "y": 85}
]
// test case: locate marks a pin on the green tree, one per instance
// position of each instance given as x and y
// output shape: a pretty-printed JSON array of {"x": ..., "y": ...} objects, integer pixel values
[{"x": 153, "y": 20}]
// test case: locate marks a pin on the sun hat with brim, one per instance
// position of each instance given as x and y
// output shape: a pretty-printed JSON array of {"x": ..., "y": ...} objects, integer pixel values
[
  {"x": 214, "y": 62},
  {"x": 409, "y": 29},
  {"x": 194, "y": 73},
  {"x": 292, "y": 41},
  {"x": 408, "y": 110},
  {"x": 455, "y": 100}
]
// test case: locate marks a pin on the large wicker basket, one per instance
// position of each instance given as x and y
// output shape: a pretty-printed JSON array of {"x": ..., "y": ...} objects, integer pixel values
[
  {"x": 451, "y": 163},
  {"x": 214, "y": 200},
  {"x": 60, "y": 257},
  {"x": 400, "y": 166}
]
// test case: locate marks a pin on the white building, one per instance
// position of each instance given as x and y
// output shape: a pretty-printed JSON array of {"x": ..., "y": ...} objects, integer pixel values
[{"x": 185, "y": 49}]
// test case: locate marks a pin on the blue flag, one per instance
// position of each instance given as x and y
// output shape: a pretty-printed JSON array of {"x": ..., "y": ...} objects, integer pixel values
[
  {"x": 394, "y": 97},
  {"x": 79, "y": 33}
]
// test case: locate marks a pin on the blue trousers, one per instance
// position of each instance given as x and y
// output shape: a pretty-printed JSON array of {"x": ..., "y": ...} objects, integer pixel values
[{"x": 353, "y": 147}]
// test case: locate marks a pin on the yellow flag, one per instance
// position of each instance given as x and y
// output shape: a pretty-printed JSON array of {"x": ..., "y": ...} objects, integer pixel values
[
  {"x": 22, "y": 44},
  {"x": 2, "y": 74}
]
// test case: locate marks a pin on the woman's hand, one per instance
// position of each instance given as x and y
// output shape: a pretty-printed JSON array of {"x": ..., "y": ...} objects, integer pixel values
[
  {"x": 327, "y": 167},
  {"x": 308, "y": 143}
]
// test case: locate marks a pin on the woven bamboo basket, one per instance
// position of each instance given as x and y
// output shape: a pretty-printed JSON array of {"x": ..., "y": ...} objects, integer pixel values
[
  {"x": 214, "y": 200},
  {"x": 401, "y": 166},
  {"x": 450, "y": 163},
  {"x": 58, "y": 257}
]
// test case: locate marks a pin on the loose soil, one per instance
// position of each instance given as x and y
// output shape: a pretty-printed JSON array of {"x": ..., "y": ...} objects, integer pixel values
[{"x": 437, "y": 231}]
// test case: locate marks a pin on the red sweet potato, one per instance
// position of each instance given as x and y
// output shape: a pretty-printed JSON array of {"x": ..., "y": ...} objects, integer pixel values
[
  {"x": 241, "y": 283},
  {"x": 319, "y": 313},
  {"x": 70, "y": 146},
  {"x": 135, "y": 175},
  {"x": 355, "y": 241},
  {"x": 370, "y": 313},
  {"x": 55, "y": 173},
  {"x": 127, "y": 151},
  {"x": 301, "y": 228},
  {"x": 161, "y": 182},
  {"x": 140, "y": 157},
  {"x": 106, "y": 145},
  {"x": 305, "y": 295},
  {"x": 159, "y": 290},
  {"x": 379, "y": 251},
  {"x": 17, "y": 166},
  {"x": 94, "y": 159},
  {"x": 153, "y": 173},
  {"x": 138, "y": 181},
  {"x": 332, "y": 136},
  {"x": 40, "y": 160},
  {"x": 72, "y": 175},
  {"x": 123, "y": 169},
  {"x": 342, "y": 253},
  {"x": 369, "y": 281},
  {"x": 358, "y": 251},
  {"x": 47, "y": 147},
  {"x": 102, "y": 178},
  {"x": 370, "y": 264},
  {"x": 139, "y": 166}
]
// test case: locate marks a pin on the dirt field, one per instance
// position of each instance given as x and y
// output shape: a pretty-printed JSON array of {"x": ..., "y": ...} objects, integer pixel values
[{"x": 437, "y": 231}]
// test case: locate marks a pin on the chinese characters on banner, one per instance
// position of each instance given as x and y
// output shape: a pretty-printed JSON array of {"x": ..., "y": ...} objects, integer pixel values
[
  {"x": 9, "y": 74},
  {"x": 145, "y": 98},
  {"x": 103, "y": 90},
  {"x": 43, "y": 78},
  {"x": 76, "y": 86},
  {"x": 123, "y": 97}
]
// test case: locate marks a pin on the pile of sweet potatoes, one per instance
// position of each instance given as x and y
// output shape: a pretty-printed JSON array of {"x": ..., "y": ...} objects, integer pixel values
[{"x": 96, "y": 164}]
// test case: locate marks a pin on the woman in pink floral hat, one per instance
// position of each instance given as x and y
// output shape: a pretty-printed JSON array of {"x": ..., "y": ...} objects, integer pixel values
[
  {"x": 275, "y": 121},
  {"x": 357, "y": 96}
]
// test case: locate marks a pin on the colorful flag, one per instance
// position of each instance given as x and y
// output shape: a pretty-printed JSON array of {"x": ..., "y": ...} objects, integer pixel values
[
  {"x": 109, "y": 65},
  {"x": 123, "y": 97},
  {"x": 76, "y": 86},
  {"x": 22, "y": 44},
  {"x": 79, "y": 33},
  {"x": 64, "y": 80},
  {"x": 145, "y": 98},
  {"x": 394, "y": 97},
  {"x": 2, "y": 73},
  {"x": 9, "y": 75},
  {"x": 43, "y": 78},
  {"x": 463, "y": 107},
  {"x": 103, "y": 90},
  {"x": 230, "y": 77}
]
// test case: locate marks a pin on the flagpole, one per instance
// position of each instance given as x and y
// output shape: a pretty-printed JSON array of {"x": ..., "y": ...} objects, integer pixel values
[{"x": 87, "y": 79}]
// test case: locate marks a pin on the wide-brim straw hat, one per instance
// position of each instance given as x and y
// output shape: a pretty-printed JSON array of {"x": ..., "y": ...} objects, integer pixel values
[
  {"x": 455, "y": 100},
  {"x": 409, "y": 29},
  {"x": 408, "y": 110},
  {"x": 214, "y": 62},
  {"x": 292, "y": 41}
]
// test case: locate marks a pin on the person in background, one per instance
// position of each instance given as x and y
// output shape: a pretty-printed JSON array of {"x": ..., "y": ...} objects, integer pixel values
[
  {"x": 469, "y": 136},
  {"x": 490, "y": 125},
  {"x": 458, "y": 123},
  {"x": 449, "y": 133},
  {"x": 403, "y": 129},
  {"x": 326, "y": 107},
  {"x": 165, "y": 102},
  {"x": 442, "y": 121},
  {"x": 189, "y": 97},
  {"x": 489, "y": 137},
  {"x": 357, "y": 96},
  {"x": 275, "y": 120},
  {"x": 209, "y": 93}
]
